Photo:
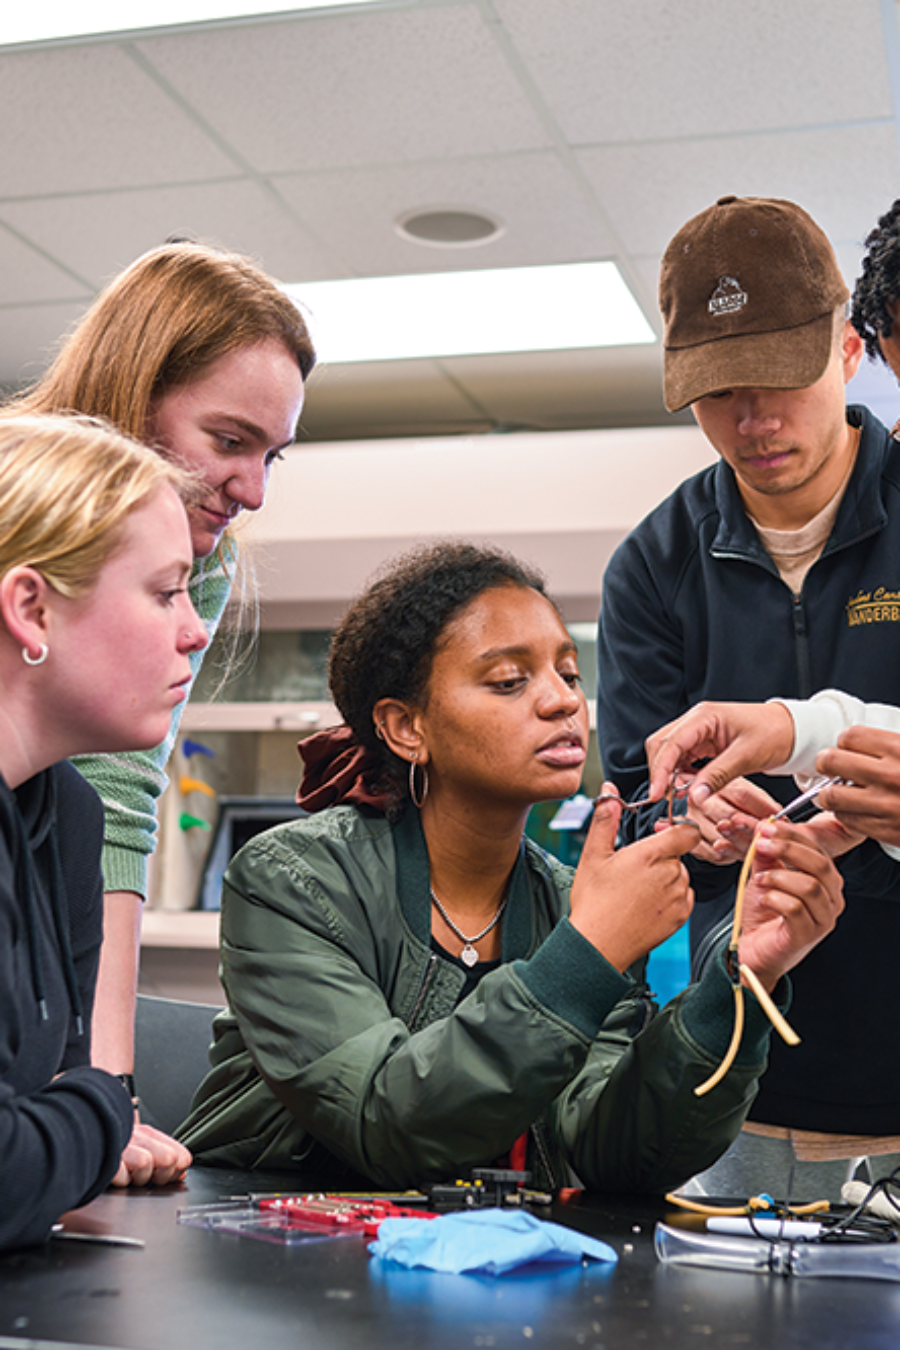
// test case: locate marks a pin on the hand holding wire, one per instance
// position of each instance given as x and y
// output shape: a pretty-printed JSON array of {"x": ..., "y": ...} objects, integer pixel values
[
  {"x": 790, "y": 892},
  {"x": 866, "y": 797},
  {"x": 627, "y": 901},
  {"x": 782, "y": 910}
]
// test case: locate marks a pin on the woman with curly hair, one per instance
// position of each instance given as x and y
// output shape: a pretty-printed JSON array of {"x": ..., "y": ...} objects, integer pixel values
[
  {"x": 414, "y": 987},
  {"x": 875, "y": 296}
]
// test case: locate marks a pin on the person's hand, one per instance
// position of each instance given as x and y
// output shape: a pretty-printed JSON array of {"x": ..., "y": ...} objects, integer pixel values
[
  {"x": 830, "y": 835},
  {"x": 793, "y": 900},
  {"x": 727, "y": 820},
  {"x": 627, "y": 902},
  {"x": 151, "y": 1158},
  {"x": 868, "y": 802},
  {"x": 737, "y": 738}
]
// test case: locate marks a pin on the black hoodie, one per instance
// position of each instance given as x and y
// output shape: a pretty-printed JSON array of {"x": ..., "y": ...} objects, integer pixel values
[{"x": 60, "y": 1141}]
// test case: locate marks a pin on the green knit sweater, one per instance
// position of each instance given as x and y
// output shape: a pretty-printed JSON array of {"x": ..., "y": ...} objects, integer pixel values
[{"x": 130, "y": 784}]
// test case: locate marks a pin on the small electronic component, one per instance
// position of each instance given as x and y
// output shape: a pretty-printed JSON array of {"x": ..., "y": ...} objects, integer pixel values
[{"x": 489, "y": 1187}]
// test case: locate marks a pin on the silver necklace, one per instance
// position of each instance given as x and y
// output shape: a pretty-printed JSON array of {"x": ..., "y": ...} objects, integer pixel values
[{"x": 468, "y": 955}]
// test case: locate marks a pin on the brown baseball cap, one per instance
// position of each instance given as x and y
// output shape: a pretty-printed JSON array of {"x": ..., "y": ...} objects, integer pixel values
[{"x": 748, "y": 291}]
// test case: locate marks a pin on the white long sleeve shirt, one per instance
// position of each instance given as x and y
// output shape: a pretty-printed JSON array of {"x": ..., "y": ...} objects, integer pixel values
[{"x": 819, "y": 721}]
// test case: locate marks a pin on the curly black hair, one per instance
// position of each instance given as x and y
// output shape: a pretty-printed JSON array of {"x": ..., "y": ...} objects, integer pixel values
[
  {"x": 879, "y": 283},
  {"x": 387, "y": 641}
]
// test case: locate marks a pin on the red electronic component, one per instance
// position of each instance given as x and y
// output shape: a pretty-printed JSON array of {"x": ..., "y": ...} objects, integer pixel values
[{"x": 341, "y": 1213}]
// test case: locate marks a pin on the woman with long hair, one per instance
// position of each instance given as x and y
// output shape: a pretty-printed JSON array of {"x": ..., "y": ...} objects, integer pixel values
[
  {"x": 415, "y": 988},
  {"x": 96, "y": 635},
  {"x": 199, "y": 354}
]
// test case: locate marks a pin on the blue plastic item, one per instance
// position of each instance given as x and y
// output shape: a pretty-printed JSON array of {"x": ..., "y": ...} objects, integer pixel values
[{"x": 488, "y": 1241}]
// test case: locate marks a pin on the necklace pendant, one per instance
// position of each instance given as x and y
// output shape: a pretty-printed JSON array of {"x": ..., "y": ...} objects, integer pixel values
[{"x": 468, "y": 955}]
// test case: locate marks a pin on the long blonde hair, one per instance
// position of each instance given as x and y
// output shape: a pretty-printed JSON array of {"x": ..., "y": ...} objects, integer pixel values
[{"x": 67, "y": 488}]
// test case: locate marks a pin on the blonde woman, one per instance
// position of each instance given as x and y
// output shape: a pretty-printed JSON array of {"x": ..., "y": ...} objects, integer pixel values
[
  {"x": 96, "y": 635},
  {"x": 199, "y": 354}
]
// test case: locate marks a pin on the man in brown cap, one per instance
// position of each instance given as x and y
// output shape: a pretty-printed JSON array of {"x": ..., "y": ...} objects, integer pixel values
[{"x": 775, "y": 573}]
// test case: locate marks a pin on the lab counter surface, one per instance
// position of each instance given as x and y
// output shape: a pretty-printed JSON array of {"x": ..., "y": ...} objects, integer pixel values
[{"x": 193, "y": 1289}]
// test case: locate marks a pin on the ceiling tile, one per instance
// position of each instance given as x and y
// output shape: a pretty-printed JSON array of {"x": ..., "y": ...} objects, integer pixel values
[
  {"x": 537, "y": 390},
  {"x": 29, "y": 336},
  {"x": 386, "y": 398},
  {"x": 98, "y": 234},
  {"x": 611, "y": 386},
  {"x": 324, "y": 91},
  {"x": 666, "y": 68},
  {"x": 27, "y": 275},
  {"x": 842, "y": 176},
  {"x": 84, "y": 117},
  {"x": 547, "y": 216}
]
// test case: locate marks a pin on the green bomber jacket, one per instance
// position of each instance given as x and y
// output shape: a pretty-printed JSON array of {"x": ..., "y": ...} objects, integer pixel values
[{"x": 346, "y": 1047}]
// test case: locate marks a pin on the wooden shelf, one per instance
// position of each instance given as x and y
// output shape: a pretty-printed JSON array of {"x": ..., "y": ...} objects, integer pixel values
[{"x": 296, "y": 717}]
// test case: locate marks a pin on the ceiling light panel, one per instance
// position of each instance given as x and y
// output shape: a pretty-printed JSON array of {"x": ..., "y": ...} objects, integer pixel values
[
  {"x": 514, "y": 309},
  {"x": 47, "y": 20}
]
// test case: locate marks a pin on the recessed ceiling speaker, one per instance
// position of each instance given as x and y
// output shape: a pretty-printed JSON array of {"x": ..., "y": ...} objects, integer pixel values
[{"x": 445, "y": 227}]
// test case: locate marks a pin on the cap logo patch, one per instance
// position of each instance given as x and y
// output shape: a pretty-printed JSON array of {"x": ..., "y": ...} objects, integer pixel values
[{"x": 728, "y": 297}]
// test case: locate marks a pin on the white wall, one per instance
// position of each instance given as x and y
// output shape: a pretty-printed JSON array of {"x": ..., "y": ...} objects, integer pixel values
[{"x": 563, "y": 500}]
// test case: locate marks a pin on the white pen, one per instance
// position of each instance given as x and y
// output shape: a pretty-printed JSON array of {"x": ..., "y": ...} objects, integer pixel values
[{"x": 790, "y": 1229}]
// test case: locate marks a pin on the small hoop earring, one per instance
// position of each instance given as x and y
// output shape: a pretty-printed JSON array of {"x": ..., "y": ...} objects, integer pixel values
[
  {"x": 418, "y": 801},
  {"x": 43, "y": 653}
]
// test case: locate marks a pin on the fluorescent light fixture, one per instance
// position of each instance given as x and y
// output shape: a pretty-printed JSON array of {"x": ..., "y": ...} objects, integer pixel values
[
  {"x": 513, "y": 309},
  {"x": 43, "y": 20}
]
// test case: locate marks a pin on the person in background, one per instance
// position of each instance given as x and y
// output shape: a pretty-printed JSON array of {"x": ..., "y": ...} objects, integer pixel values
[
  {"x": 200, "y": 355},
  {"x": 754, "y": 581},
  {"x": 96, "y": 635},
  {"x": 877, "y": 292},
  {"x": 414, "y": 987}
]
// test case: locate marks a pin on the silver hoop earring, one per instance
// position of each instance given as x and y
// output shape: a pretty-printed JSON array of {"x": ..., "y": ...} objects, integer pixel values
[
  {"x": 38, "y": 660},
  {"x": 420, "y": 800}
]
